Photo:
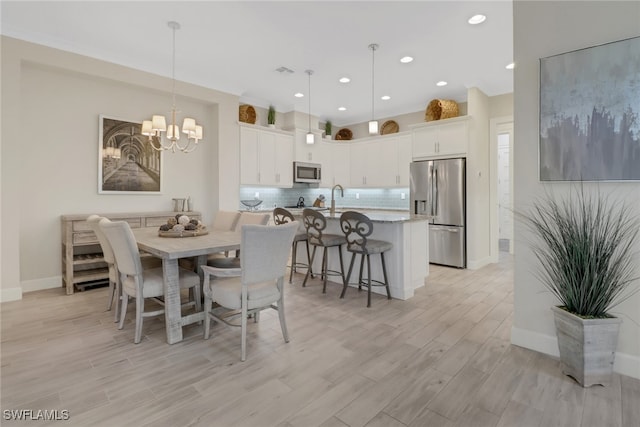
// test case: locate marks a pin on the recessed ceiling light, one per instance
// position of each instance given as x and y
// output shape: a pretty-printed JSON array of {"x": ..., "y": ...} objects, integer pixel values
[
  {"x": 299, "y": 95},
  {"x": 344, "y": 80},
  {"x": 406, "y": 59},
  {"x": 511, "y": 66},
  {"x": 477, "y": 19},
  {"x": 441, "y": 83},
  {"x": 385, "y": 97},
  {"x": 342, "y": 108}
]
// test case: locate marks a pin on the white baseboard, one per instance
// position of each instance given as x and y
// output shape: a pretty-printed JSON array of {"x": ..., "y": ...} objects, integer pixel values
[
  {"x": 10, "y": 294},
  {"x": 474, "y": 265},
  {"x": 41, "y": 284},
  {"x": 625, "y": 364}
]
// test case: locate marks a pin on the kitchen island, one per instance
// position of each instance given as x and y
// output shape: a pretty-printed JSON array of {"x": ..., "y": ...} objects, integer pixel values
[{"x": 407, "y": 263}]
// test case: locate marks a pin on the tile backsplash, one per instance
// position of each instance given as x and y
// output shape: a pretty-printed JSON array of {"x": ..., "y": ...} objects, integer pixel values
[{"x": 373, "y": 198}]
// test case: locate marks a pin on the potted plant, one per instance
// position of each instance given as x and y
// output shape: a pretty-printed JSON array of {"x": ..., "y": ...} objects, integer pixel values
[
  {"x": 584, "y": 244},
  {"x": 327, "y": 129},
  {"x": 271, "y": 116}
]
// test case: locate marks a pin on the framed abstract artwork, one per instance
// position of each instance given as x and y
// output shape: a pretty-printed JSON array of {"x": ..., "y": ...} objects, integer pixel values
[
  {"x": 590, "y": 114},
  {"x": 127, "y": 164}
]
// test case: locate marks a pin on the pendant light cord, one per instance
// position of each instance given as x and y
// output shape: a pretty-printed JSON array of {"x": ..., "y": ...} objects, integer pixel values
[
  {"x": 309, "y": 72},
  {"x": 373, "y": 48}
]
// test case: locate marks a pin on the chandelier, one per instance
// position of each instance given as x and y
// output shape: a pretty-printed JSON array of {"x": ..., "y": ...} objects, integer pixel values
[
  {"x": 162, "y": 137},
  {"x": 373, "y": 123},
  {"x": 310, "y": 138}
]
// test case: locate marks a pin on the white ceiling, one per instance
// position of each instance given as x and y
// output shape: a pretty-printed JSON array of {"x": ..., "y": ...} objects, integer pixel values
[{"x": 235, "y": 47}]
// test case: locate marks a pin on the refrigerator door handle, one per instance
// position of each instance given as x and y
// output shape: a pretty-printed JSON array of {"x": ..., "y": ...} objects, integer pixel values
[{"x": 435, "y": 194}]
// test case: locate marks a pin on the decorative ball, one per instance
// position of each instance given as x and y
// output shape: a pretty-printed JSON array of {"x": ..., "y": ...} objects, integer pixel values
[
  {"x": 190, "y": 226},
  {"x": 178, "y": 227},
  {"x": 194, "y": 221},
  {"x": 183, "y": 220},
  {"x": 172, "y": 221},
  {"x": 165, "y": 227},
  {"x": 178, "y": 216},
  {"x": 200, "y": 225}
]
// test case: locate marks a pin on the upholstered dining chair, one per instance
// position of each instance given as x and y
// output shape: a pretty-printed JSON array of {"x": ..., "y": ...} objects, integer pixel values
[
  {"x": 109, "y": 258},
  {"x": 282, "y": 216},
  {"x": 357, "y": 228},
  {"x": 136, "y": 282},
  {"x": 315, "y": 223},
  {"x": 244, "y": 218},
  {"x": 225, "y": 220},
  {"x": 260, "y": 285}
]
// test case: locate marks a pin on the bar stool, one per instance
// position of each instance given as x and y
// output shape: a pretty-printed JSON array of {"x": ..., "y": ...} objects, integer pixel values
[
  {"x": 315, "y": 223},
  {"x": 357, "y": 227},
  {"x": 282, "y": 216}
]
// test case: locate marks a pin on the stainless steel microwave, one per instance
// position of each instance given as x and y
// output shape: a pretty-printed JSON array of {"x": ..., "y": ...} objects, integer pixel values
[{"x": 307, "y": 172}]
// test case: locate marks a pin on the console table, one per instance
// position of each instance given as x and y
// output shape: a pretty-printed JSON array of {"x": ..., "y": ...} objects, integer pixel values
[{"x": 82, "y": 261}]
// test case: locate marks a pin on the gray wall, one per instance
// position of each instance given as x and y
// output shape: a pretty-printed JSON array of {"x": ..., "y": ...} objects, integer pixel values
[{"x": 543, "y": 29}]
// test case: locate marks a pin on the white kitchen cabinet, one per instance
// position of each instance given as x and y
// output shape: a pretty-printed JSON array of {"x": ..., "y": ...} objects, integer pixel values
[
  {"x": 373, "y": 163},
  {"x": 266, "y": 157},
  {"x": 440, "y": 139},
  {"x": 404, "y": 160},
  {"x": 340, "y": 162},
  {"x": 381, "y": 162}
]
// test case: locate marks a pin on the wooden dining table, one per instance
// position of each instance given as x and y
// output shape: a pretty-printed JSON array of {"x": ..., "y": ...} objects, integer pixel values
[{"x": 172, "y": 249}]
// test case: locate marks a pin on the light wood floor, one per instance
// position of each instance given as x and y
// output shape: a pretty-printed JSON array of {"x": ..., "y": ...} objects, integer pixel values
[{"x": 442, "y": 358}]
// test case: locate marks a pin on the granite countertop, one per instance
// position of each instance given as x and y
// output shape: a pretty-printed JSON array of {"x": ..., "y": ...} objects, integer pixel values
[{"x": 376, "y": 215}]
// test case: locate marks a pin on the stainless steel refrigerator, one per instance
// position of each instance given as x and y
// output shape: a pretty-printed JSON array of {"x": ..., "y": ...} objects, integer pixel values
[{"x": 438, "y": 190}]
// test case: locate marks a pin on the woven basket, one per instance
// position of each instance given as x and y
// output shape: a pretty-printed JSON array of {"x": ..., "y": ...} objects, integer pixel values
[
  {"x": 247, "y": 114},
  {"x": 441, "y": 109},
  {"x": 344, "y": 134},
  {"x": 390, "y": 126}
]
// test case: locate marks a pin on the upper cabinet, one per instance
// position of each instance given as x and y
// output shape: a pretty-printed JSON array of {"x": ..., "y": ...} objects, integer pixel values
[
  {"x": 449, "y": 137},
  {"x": 266, "y": 157},
  {"x": 381, "y": 161}
]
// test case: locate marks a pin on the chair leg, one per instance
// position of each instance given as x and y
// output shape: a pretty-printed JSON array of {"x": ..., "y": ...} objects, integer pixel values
[
  {"x": 197, "y": 296},
  {"x": 384, "y": 274},
  {"x": 306, "y": 276},
  {"x": 360, "y": 275},
  {"x": 341, "y": 262},
  {"x": 346, "y": 280},
  {"x": 243, "y": 325},
  {"x": 118, "y": 300},
  {"x": 324, "y": 270},
  {"x": 369, "y": 280},
  {"x": 112, "y": 289},
  {"x": 208, "y": 305},
  {"x": 306, "y": 242},
  {"x": 123, "y": 309},
  {"x": 256, "y": 317},
  {"x": 283, "y": 323},
  {"x": 294, "y": 249},
  {"x": 139, "y": 318}
]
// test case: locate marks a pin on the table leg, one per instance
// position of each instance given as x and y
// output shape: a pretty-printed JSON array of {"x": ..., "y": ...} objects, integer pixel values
[{"x": 172, "y": 311}]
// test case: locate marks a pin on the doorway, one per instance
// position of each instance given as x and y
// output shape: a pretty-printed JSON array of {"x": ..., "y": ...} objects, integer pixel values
[
  {"x": 501, "y": 195},
  {"x": 505, "y": 196}
]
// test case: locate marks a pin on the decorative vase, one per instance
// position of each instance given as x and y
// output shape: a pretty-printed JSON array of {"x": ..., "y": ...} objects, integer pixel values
[{"x": 587, "y": 346}]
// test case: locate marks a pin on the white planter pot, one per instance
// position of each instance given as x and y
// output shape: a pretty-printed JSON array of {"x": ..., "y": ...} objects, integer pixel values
[{"x": 587, "y": 346}]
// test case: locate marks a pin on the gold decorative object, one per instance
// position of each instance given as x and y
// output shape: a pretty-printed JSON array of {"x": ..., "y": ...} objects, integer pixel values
[
  {"x": 390, "y": 126},
  {"x": 441, "y": 109},
  {"x": 247, "y": 114},
  {"x": 344, "y": 134}
]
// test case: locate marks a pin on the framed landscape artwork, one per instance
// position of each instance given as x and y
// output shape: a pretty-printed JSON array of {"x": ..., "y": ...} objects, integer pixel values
[
  {"x": 126, "y": 162},
  {"x": 590, "y": 114}
]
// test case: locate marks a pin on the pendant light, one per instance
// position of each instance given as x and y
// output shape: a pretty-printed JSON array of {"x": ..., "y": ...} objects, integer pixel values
[
  {"x": 310, "y": 136},
  {"x": 373, "y": 124},
  {"x": 157, "y": 126}
]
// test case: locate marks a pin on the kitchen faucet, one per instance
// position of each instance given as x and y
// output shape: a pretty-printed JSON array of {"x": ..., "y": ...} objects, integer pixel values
[{"x": 332, "y": 211}]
